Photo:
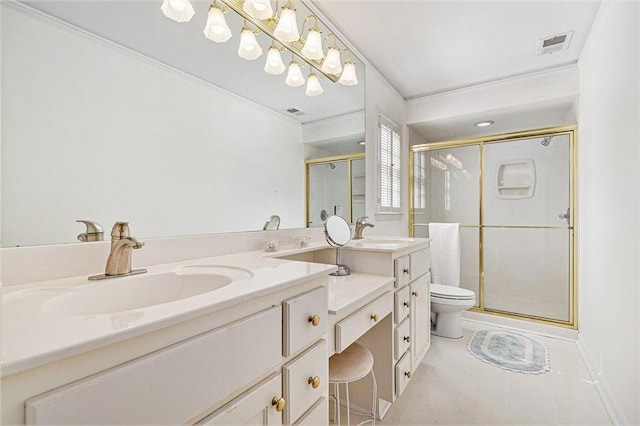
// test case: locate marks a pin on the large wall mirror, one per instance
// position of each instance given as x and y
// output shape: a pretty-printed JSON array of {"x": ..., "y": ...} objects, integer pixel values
[{"x": 111, "y": 111}]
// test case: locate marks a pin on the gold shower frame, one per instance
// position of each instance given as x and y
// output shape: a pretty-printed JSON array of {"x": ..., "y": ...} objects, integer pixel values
[
  {"x": 327, "y": 160},
  {"x": 481, "y": 142}
]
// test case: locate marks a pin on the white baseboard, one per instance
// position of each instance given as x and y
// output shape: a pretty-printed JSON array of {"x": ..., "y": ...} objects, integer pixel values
[{"x": 615, "y": 412}]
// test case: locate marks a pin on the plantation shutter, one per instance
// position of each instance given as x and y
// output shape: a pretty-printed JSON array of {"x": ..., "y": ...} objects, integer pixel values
[{"x": 389, "y": 195}]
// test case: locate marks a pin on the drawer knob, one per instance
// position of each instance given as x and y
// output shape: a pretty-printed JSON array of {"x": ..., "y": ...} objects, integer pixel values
[
  {"x": 407, "y": 339},
  {"x": 279, "y": 403},
  {"x": 407, "y": 304},
  {"x": 408, "y": 374},
  {"x": 415, "y": 294},
  {"x": 314, "y": 320},
  {"x": 406, "y": 271},
  {"x": 374, "y": 317},
  {"x": 314, "y": 382}
]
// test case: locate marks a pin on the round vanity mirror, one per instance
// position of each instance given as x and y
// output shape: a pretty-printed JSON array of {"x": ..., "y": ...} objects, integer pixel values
[
  {"x": 338, "y": 234},
  {"x": 272, "y": 223}
]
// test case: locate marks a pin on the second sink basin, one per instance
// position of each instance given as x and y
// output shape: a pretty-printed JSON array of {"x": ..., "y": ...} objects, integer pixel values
[{"x": 139, "y": 291}]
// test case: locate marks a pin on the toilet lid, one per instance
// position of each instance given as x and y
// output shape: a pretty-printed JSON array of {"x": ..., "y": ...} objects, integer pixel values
[{"x": 451, "y": 292}]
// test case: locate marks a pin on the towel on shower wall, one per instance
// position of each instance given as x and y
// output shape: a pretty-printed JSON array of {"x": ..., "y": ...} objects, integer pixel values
[{"x": 445, "y": 253}]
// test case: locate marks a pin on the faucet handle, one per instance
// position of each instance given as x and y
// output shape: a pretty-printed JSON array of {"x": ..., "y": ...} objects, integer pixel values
[
  {"x": 94, "y": 231},
  {"x": 120, "y": 230}
]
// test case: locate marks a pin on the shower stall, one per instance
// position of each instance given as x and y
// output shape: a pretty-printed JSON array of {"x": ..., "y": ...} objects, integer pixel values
[{"x": 513, "y": 196}]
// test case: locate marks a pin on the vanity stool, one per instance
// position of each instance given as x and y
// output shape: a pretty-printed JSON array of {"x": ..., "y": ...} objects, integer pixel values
[{"x": 352, "y": 364}]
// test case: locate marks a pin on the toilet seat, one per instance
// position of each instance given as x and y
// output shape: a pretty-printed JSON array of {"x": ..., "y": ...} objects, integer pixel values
[{"x": 450, "y": 292}]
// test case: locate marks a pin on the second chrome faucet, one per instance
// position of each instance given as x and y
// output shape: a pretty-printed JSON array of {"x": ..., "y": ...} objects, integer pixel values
[
  {"x": 119, "y": 260},
  {"x": 360, "y": 225}
]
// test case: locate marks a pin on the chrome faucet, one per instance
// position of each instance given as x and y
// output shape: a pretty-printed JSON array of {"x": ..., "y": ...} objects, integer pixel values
[
  {"x": 119, "y": 260},
  {"x": 360, "y": 225}
]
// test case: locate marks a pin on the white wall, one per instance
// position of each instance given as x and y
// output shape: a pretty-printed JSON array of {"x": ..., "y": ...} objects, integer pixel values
[
  {"x": 381, "y": 98},
  {"x": 92, "y": 131},
  {"x": 609, "y": 206}
]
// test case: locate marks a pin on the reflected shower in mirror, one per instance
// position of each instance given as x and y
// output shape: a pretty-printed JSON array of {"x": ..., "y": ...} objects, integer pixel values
[
  {"x": 335, "y": 185},
  {"x": 145, "y": 118}
]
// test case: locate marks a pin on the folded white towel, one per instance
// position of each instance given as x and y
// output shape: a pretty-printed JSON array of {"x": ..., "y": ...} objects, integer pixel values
[{"x": 445, "y": 253}]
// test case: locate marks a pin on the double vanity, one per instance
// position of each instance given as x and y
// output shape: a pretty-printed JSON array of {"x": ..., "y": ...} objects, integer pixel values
[{"x": 236, "y": 338}]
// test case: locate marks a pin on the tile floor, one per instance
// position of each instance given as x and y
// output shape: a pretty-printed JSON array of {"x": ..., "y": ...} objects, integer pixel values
[{"x": 451, "y": 386}]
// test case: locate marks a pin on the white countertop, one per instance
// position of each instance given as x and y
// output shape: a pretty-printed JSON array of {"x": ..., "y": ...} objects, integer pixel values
[
  {"x": 34, "y": 337},
  {"x": 355, "y": 290}
]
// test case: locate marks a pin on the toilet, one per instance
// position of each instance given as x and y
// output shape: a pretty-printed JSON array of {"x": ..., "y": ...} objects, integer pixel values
[
  {"x": 448, "y": 300},
  {"x": 447, "y": 303}
]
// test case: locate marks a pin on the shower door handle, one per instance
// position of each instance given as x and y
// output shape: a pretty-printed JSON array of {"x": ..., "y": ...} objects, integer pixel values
[{"x": 565, "y": 216}]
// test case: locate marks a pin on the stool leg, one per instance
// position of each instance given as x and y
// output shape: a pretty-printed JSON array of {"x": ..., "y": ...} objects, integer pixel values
[
  {"x": 338, "y": 402},
  {"x": 346, "y": 387},
  {"x": 374, "y": 400}
]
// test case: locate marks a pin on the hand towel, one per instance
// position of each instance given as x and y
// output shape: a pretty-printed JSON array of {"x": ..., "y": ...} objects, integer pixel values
[{"x": 445, "y": 253}]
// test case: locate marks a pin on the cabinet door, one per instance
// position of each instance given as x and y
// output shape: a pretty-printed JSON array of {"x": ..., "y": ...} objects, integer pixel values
[
  {"x": 420, "y": 319},
  {"x": 254, "y": 407},
  {"x": 305, "y": 319}
]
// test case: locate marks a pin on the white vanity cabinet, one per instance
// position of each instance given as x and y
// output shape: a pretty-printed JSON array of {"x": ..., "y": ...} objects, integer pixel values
[
  {"x": 413, "y": 272},
  {"x": 268, "y": 365}
]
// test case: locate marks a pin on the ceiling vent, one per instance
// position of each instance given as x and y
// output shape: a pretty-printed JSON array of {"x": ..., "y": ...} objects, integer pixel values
[
  {"x": 295, "y": 111},
  {"x": 554, "y": 43}
]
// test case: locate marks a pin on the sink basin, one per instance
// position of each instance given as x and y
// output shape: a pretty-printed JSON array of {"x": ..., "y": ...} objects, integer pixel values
[{"x": 139, "y": 291}]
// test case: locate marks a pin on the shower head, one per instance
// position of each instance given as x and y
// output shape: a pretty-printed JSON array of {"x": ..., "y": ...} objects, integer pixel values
[
  {"x": 333, "y": 166},
  {"x": 546, "y": 141}
]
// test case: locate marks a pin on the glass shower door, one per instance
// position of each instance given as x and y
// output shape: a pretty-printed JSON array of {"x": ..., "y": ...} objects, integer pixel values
[
  {"x": 328, "y": 191},
  {"x": 446, "y": 188},
  {"x": 527, "y": 229}
]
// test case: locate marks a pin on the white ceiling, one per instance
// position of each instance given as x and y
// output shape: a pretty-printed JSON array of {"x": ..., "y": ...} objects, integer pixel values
[{"x": 424, "y": 46}]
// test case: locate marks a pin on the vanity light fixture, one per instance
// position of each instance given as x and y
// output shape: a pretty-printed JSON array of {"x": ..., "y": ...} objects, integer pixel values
[
  {"x": 178, "y": 10},
  {"x": 294, "y": 76},
  {"x": 484, "y": 123},
  {"x": 259, "y": 9},
  {"x": 313, "y": 86},
  {"x": 249, "y": 48},
  {"x": 274, "y": 65},
  {"x": 216, "y": 28},
  {"x": 283, "y": 31}
]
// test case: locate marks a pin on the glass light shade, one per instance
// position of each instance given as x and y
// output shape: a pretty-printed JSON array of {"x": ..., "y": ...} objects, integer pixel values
[
  {"x": 294, "y": 76},
  {"x": 178, "y": 10},
  {"x": 249, "y": 47},
  {"x": 287, "y": 29},
  {"x": 274, "y": 65},
  {"x": 217, "y": 29},
  {"x": 313, "y": 86},
  {"x": 312, "y": 48},
  {"x": 332, "y": 63},
  {"x": 259, "y": 9},
  {"x": 348, "y": 77}
]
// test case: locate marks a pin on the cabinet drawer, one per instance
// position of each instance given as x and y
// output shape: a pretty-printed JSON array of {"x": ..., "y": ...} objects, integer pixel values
[
  {"x": 298, "y": 380},
  {"x": 420, "y": 263},
  {"x": 355, "y": 325},
  {"x": 403, "y": 373},
  {"x": 402, "y": 338},
  {"x": 299, "y": 313},
  {"x": 317, "y": 415},
  {"x": 402, "y": 268},
  {"x": 402, "y": 304},
  {"x": 172, "y": 385},
  {"x": 254, "y": 407}
]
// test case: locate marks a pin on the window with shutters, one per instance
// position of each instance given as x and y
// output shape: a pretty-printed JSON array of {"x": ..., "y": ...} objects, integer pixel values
[{"x": 389, "y": 185}]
